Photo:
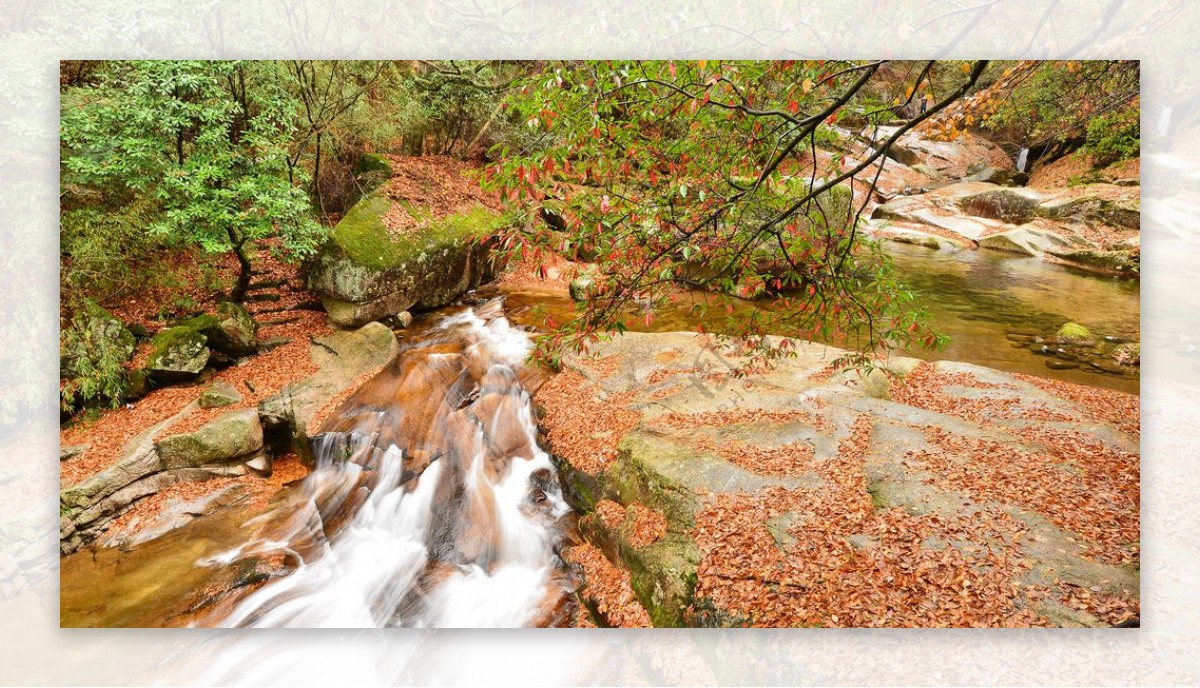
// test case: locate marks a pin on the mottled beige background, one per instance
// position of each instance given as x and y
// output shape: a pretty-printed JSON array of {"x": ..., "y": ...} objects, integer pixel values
[{"x": 34, "y": 34}]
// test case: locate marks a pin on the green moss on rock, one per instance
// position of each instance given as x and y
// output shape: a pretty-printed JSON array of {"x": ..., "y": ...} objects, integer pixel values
[
  {"x": 232, "y": 435},
  {"x": 365, "y": 272},
  {"x": 365, "y": 239},
  {"x": 1073, "y": 331},
  {"x": 178, "y": 353}
]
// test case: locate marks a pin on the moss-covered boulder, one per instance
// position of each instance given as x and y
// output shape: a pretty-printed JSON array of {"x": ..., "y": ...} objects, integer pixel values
[
  {"x": 372, "y": 171},
  {"x": 101, "y": 336},
  {"x": 178, "y": 354},
  {"x": 1074, "y": 332},
  {"x": 232, "y": 330},
  {"x": 366, "y": 272},
  {"x": 228, "y": 438}
]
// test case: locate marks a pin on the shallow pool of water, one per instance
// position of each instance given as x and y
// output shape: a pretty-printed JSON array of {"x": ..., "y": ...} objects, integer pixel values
[{"x": 976, "y": 298}]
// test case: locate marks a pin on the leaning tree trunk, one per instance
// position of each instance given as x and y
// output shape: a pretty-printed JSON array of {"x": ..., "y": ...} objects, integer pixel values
[{"x": 242, "y": 285}]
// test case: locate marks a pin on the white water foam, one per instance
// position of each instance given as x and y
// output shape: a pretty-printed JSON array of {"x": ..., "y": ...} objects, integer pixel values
[{"x": 382, "y": 567}]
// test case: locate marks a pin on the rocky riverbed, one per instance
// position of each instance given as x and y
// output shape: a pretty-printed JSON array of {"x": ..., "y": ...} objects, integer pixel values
[{"x": 921, "y": 493}]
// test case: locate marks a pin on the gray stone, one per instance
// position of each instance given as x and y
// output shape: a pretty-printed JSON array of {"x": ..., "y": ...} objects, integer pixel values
[
  {"x": 219, "y": 394},
  {"x": 1029, "y": 241},
  {"x": 225, "y": 439},
  {"x": 68, "y": 451},
  {"x": 1015, "y": 206},
  {"x": 179, "y": 353}
]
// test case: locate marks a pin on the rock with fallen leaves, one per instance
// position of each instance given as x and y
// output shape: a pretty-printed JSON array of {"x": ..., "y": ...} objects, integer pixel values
[
  {"x": 420, "y": 240},
  {"x": 941, "y": 494},
  {"x": 343, "y": 360}
]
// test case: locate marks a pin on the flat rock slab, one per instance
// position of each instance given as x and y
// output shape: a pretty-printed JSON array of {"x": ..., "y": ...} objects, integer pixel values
[{"x": 684, "y": 392}]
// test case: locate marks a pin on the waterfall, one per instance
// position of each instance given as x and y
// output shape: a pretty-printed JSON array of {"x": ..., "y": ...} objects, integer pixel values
[
  {"x": 1164, "y": 121},
  {"x": 430, "y": 504},
  {"x": 1022, "y": 159}
]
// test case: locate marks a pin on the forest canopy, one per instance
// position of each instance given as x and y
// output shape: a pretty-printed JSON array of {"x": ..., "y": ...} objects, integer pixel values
[{"x": 739, "y": 179}]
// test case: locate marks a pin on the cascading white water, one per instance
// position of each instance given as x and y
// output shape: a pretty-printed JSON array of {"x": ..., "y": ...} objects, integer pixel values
[
  {"x": 1022, "y": 159},
  {"x": 430, "y": 504}
]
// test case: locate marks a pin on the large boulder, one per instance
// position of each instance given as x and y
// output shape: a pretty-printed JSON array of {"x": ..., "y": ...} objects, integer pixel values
[
  {"x": 366, "y": 272},
  {"x": 342, "y": 358},
  {"x": 1096, "y": 203},
  {"x": 232, "y": 330},
  {"x": 1029, "y": 241},
  {"x": 1015, "y": 206},
  {"x": 177, "y": 354},
  {"x": 231, "y": 436}
]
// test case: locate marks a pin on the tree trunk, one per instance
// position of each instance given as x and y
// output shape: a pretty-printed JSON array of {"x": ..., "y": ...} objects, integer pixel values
[
  {"x": 245, "y": 269},
  {"x": 316, "y": 180}
]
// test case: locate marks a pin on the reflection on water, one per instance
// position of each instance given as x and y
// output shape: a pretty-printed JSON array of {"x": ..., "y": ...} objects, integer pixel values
[{"x": 974, "y": 297}]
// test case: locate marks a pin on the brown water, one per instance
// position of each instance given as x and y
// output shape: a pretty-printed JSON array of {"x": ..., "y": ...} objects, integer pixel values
[{"x": 975, "y": 297}]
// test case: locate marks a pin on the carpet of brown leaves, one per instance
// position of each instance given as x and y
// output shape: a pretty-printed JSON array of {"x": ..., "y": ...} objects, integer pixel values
[
  {"x": 912, "y": 570},
  {"x": 641, "y": 525},
  {"x": 1119, "y": 409},
  {"x": 789, "y": 459},
  {"x": 747, "y": 415},
  {"x": 648, "y": 525},
  {"x": 581, "y": 427},
  {"x": 439, "y": 186},
  {"x": 608, "y": 588}
]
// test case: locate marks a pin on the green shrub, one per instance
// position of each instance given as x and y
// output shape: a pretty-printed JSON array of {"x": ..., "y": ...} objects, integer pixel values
[
  {"x": 1114, "y": 137},
  {"x": 94, "y": 348}
]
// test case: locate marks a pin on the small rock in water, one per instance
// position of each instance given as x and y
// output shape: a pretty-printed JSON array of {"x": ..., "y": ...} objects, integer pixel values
[
  {"x": 260, "y": 465},
  {"x": 1059, "y": 364},
  {"x": 399, "y": 321}
]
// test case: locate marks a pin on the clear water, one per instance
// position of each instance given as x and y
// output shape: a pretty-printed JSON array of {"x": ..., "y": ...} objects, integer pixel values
[{"x": 975, "y": 297}]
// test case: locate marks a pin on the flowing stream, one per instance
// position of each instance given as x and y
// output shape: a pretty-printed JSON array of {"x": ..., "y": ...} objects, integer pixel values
[{"x": 431, "y": 504}]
